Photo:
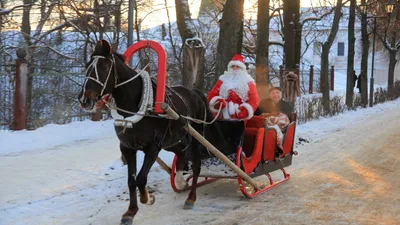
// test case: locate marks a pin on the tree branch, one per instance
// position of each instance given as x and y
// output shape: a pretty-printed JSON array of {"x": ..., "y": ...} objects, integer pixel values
[
  {"x": 44, "y": 19},
  {"x": 317, "y": 18},
  {"x": 67, "y": 23},
  {"x": 7, "y": 11},
  {"x": 55, "y": 51}
]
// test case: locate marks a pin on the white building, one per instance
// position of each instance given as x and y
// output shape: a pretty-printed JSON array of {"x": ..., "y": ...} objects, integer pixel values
[{"x": 314, "y": 33}]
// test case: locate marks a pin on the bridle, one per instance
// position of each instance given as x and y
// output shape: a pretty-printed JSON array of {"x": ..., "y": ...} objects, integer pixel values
[{"x": 93, "y": 65}]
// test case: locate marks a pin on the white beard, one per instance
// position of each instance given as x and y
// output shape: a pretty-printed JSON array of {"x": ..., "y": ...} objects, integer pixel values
[{"x": 236, "y": 81}]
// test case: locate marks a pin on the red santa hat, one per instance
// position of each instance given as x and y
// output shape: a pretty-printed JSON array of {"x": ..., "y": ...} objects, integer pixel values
[{"x": 237, "y": 60}]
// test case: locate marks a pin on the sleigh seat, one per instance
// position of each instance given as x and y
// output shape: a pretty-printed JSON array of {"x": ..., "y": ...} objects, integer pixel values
[{"x": 260, "y": 143}]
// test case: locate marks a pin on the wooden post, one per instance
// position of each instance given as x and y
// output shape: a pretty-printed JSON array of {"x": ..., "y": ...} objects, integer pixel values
[
  {"x": 21, "y": 85},
  {"x": 311, "y": 81},
  {"x": 332, "y": 78}
]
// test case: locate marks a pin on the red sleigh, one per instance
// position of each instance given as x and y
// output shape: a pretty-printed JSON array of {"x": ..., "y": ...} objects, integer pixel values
[{"x": 255, "y": 153}]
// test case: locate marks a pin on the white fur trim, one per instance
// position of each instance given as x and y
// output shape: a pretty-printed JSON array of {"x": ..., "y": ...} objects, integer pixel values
[
  {"x": 225, "y": 113},
  {"x": 249, "y": 110},
  {"x": 212, "y": 102},
  {"x": 236, "y": 81},
  {"x": 237, "y": 108},
  {"x": 231, "y": 108},
  {"x": 236, "y": 63}
]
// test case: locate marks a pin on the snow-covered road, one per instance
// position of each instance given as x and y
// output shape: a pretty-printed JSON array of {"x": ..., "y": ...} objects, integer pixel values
[{"x": 347, "y": 174}]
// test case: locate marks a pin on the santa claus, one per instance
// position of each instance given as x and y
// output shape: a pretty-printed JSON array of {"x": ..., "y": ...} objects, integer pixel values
[{"x": 235, "y": 92}]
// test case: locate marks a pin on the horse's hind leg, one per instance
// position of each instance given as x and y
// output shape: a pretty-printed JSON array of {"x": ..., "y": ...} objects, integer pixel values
[
  {"x": 130, "y": 156},
  {"x": 150, "y": 156},
  {"x": 196, "y": 160}
]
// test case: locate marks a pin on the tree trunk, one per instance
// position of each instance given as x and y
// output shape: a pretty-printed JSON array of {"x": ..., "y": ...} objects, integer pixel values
[
  {"x": 324, "y": 79},
  {"x": 117, "y": 24},
  {"x": 26, "y": 31},
  {"x": 229, "y": 35},
  {"x": 99, "y": 27},
  {"x": 291, "y": 13},
  {"x": 395, "y": 40},
  {"x": 137, "y": 27},
  {"x": 325, "y": 57},
  {"x": 364, "y": 60},
  {"x": 297, "y": 35},
  {"x": 207, "y": 6},
  {"x": 392, "y": 65},
  {"x": 199, "y": 66},
  {"x": 2, "y": 6},
  {"x": 350, "y": 55},
  {"x": 193, "y": 48},
  {"x": 262, "y": 44}
]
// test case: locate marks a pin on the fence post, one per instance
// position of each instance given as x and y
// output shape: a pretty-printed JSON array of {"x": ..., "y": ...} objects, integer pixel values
[
  {"x": 311, "y": 81},
  {"x": 332, "y": 78},
  {"x": 21, "y": 84}
]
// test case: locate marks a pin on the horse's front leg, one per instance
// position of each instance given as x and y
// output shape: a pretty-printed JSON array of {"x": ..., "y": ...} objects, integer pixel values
[
  {"x": 150, "y": 156},
  {"x": 130, "y": 156},
  {"x": 196, "y": 163}
]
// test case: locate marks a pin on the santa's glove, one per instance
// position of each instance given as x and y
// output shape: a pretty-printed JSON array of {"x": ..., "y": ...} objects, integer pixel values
[
  {"x": 243, "y": 112},
  {"x": 219, "y": 103}
]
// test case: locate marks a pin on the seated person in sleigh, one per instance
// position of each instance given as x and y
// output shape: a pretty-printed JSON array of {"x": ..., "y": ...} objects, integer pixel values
[{"x": 276, "y": 112}]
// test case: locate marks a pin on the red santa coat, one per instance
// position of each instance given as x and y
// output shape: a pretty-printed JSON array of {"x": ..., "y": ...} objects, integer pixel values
[{"x": 238, "y": 92}]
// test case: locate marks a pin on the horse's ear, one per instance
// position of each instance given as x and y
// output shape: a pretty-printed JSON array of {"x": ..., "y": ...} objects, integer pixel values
[
  {"x": 106, "y": 46},
  {"x": 102, "y": 47}
]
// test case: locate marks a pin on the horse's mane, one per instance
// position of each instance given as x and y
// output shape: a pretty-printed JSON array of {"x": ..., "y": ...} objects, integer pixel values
[{"x": 120, "y": 56}]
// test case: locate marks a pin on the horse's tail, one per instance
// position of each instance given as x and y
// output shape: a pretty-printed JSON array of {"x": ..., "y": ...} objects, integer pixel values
[{"x": 213, "y": 132}]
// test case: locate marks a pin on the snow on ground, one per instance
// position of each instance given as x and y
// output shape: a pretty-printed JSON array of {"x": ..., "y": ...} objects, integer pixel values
[{"x": 71, "y": 174}]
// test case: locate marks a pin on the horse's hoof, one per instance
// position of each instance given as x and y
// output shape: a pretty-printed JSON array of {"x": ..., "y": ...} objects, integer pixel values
[
  {"x": 126, "y": 221},
  {"x": 188, "y": 205}
]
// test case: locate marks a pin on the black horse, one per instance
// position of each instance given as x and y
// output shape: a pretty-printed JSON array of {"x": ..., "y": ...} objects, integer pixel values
[{"x": 106, "y": 72}]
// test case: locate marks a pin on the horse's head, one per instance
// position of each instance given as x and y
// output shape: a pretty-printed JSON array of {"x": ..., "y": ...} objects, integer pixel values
[{"x": 100, "y": 76}]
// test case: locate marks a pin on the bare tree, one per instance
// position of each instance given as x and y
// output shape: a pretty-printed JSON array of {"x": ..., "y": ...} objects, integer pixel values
[
  {"x": 326, "y": 46},
  {"x": 262, "y": 44},
  {"x": 193, "y": 48},
  {"x": 388, "y": 33},
  {"x": 364, "y": 59},
  {"x": 230, "y": 34},
  {"x": 350, "y": 56},
  {"x": 291, "y": 17}
]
